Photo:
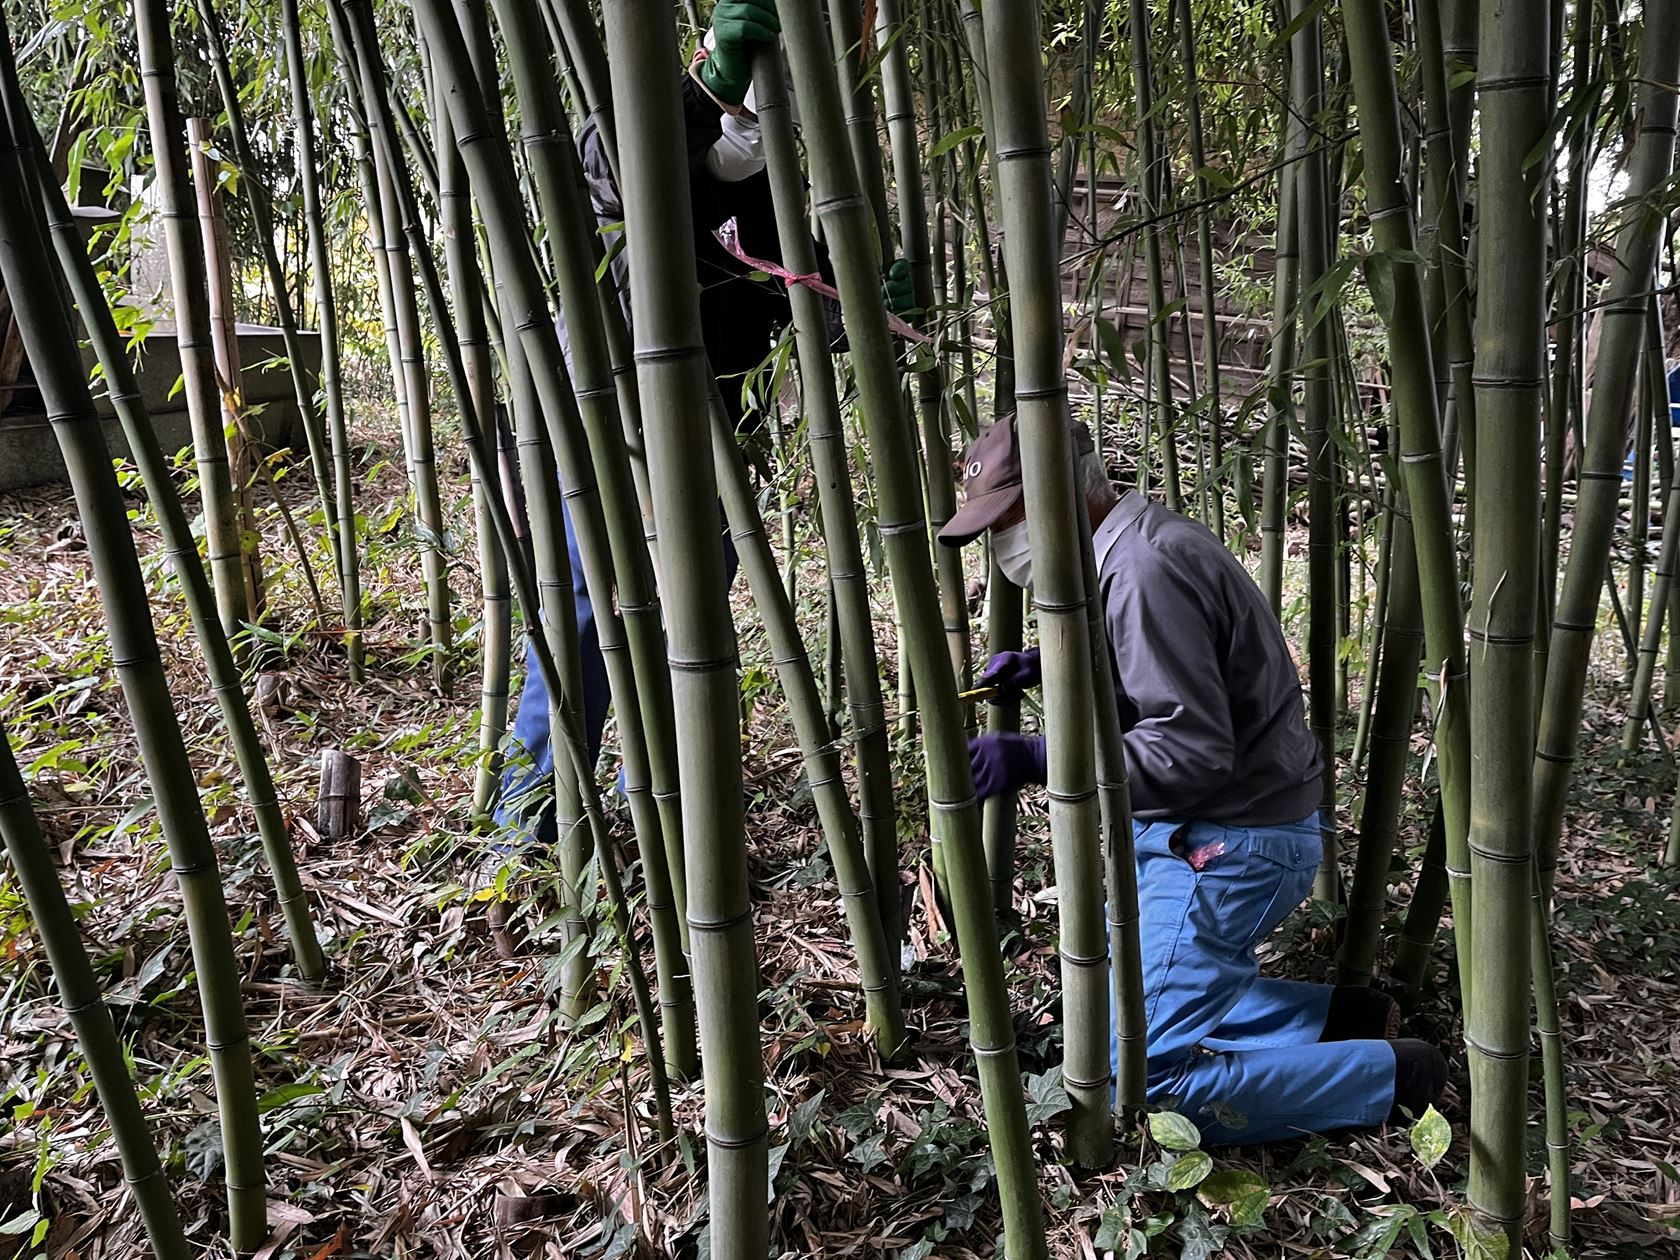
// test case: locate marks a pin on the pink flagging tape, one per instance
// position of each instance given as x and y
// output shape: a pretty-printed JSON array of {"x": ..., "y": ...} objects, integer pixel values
[
  {"x": 1199, "y": 858},
  {"x": 729, "y": 236}
]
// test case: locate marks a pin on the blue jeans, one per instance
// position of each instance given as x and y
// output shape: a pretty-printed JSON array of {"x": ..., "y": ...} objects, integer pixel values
[
  {"x": 525, "y": 806},
  {"x": 1236, "y": 1053}
]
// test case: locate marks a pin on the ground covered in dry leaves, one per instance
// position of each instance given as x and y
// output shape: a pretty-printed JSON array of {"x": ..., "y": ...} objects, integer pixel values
[{"x": 427, "y": 1101}]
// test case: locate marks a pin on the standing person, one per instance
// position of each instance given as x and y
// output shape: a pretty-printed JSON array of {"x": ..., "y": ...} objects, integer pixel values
[
  {"x": 741, "y": 315},
  {"x": 1225, "y": 781}
]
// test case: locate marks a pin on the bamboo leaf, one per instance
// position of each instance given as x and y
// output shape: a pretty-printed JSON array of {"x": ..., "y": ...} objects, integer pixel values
[
  {"x": 278, "y": 1097},
  {"x": 952, "y": 139},
  {"x": 1299, "y": 23}
]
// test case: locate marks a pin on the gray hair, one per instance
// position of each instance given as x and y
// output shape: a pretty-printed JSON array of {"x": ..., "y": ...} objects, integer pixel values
[{"x": 1093, "y": 478}]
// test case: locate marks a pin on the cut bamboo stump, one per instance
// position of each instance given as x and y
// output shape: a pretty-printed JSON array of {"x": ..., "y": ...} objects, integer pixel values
[{"x": 338, "y": 809}]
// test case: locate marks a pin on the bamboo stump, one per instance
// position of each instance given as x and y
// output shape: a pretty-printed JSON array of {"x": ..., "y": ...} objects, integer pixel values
[{"x": 338, "y": 808}]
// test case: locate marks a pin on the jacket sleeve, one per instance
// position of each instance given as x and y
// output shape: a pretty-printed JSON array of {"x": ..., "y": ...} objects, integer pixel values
[{"x": 1181, "y": 748}]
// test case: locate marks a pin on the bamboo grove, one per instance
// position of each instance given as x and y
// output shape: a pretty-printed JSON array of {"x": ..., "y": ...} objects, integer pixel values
[{"x": 1418, "y": 444}]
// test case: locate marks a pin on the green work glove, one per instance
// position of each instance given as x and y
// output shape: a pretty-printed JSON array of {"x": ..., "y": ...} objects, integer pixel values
[
  {"x": 739, "y": 29},
  {"x": 899, "y": 289}
]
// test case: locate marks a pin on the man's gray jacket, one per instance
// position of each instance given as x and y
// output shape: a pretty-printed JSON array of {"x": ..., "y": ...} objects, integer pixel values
[{"x": 1210, "y": 700}]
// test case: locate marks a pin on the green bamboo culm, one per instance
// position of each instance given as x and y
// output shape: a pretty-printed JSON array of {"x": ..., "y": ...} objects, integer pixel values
[
  {"x": 845, "y": 219},
  {"x": 1204, "y": 258},
  {"x": 1005, "y": 615},
  {"x": 1054, "y": 496},
  {"x": 899, "y": 96},
  {"x": 877, "y": 974},
  {"x": 260, "y": 203},
  {"x": 1623, "y": 314},
  {"x": 830, "y": 460},
  {"x": 446, "y": 41},
  {"x": 1513, "y": 85},
  {"x": 188, "y": 284},
  {"x": 672, "y": 372},
  {"x": 1668, "y": 559},
  {"x": 1280, "y": 365},
  {"x": 863, "y": 128},
  {"x": 326, "y": 314},
  {"x": 51, "y": 344},
  {"x": 179, "y": 544},
  {"x": 466, "y": 284},
  {"x": 419, "y": 444},
  {"x": 79, "y": 993},
  {"x": 600, "y": 492},
  {"x": 1306, "y": 63},
  {"x": 1397, "y": 277},
  {"x": 1151, "y": 181}
]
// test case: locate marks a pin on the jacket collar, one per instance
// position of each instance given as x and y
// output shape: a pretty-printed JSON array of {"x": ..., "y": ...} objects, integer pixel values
[{"x": 1121, "y": 517}]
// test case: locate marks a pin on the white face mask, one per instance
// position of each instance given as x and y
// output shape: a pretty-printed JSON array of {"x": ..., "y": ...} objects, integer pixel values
[
  {"x": 1010, "y": 550},
  {"x": 739, "y": 152}
]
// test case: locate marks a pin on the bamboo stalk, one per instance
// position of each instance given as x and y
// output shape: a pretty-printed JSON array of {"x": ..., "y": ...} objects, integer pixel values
[
  {"x": 192, "y": 319},
  {"x": 1280, "y": 365},
  {"x": 1317, "y": 248},
  {"x": 877, "y": 972},
  {"x": 1204, "y": 253},
  {"x": 830, "y": 459},
  {"x": 326, "y": 314},
  {"x": 844, "y": 214},
  {"x": 466, "y": 285},
  {"x": 1510, "y": 380},
  {"x": 1152, "y": 174},
  {"x": 1623, "y": 318},
  {"x": 258, "y": 200},
  {"x": 862, "y": 125},
  {"x": 1053, "y": 499},
  {"x": 182, "y": 549},
  {"x": 600, "y": 494},
  {"x": 50, "y": 342},
  {"x": 224, "y": 353},
  {"x": 673, "y": 377},
  {"x": 80, "y": 995},
  {"x": 1004, "y": 617},
  {"x": 928, "y": 367}
]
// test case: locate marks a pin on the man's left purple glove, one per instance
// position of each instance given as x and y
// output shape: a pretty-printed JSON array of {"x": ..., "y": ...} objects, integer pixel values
[
  {"x": 1004, "y": 764},
  {"x": 1012, "y": 673}
]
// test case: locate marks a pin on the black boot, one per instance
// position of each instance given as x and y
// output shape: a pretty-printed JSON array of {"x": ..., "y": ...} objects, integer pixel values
[{"x": 1420, "y": 1077}]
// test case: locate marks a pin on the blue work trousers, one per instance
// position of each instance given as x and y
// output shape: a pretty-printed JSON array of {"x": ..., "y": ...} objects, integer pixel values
[
  {"x": 525, "y": 805},
  {"x": 1237, "y": 1053}
]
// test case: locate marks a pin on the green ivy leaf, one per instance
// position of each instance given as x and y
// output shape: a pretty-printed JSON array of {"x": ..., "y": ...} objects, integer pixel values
[
  {"x": 1189, "y": 1170},
  {"x": 870, "y": 1153},
  {"x": 1431, "y": 1136},
  {"x": 1199, "y": 1237},
  {"x": 1047, "y": 1097},
  {"x": 1173, "y": 1131},
  {"x": 1112, "y": 1229}
]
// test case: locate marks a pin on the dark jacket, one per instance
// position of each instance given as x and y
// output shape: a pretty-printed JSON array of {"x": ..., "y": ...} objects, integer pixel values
[
  {"x": 1209, "y": 696},
  {"x": 740, "y": 317}
]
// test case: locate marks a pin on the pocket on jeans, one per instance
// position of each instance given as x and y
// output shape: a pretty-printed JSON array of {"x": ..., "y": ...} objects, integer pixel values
[
  {"x": 1293, "y": 848},
  {"x": 1210, "y": 848}
]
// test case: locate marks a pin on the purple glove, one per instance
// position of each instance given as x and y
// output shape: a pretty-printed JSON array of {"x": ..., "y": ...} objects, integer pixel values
[
  {"x": 1005, "y": 763},
  {"x": 1012, "y": 673}
]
